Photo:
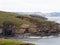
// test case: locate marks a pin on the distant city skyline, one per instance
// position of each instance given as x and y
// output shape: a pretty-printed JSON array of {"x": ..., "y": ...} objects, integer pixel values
[{"x": 44, "y": 6}]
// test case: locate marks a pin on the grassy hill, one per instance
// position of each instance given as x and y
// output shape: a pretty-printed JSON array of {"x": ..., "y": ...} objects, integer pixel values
[
  {"x": 8, "y": 16},
  {"x": 39, "y": 25}
]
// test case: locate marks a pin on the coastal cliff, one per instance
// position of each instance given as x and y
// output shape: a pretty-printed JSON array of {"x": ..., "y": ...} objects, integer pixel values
[{"x": 12, "y": 24}]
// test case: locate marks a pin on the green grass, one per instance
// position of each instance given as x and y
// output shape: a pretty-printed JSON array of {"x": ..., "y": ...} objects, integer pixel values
[
  {"x": 8, "y": 16},
  {"x": 13, "y": 42}
]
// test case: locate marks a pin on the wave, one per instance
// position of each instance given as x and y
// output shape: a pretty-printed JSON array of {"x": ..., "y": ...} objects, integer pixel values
[{"x": 38, "y": 37}]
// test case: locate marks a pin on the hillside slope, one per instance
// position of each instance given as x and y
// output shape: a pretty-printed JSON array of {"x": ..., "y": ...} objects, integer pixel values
[{"x": 12, "y": 24}]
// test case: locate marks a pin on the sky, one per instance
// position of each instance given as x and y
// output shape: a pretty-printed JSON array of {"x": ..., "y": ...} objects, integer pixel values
[
  {"x": 30, "y": 5},
  {"x": 56, "y": 19}
]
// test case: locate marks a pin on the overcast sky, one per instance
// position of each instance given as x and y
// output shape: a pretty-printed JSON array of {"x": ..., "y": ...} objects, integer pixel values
[{"x": 30, "y": 5}]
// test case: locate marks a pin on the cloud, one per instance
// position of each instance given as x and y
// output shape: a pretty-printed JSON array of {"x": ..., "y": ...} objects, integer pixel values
[{"x": 30, "y": 5}]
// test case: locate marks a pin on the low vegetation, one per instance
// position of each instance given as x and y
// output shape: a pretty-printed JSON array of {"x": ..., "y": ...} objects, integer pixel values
[{"x": 13, "y": 42}]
